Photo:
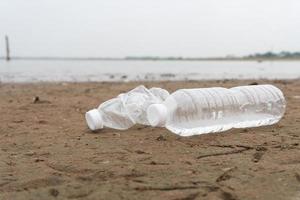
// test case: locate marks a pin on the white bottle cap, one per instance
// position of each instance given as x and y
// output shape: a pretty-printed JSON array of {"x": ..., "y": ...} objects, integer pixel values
[
  {"x": 94, "y": 119},
  {"x": 157, "y": 114}
]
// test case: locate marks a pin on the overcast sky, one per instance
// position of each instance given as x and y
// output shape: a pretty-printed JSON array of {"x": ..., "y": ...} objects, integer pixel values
[{"x": 143, "y": 27}]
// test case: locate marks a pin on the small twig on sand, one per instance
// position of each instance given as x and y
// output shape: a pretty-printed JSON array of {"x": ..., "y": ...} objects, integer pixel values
[
  {"x": 226, "y": 175},
  {"x": 223, "y": 145},
  {"x": 245, "y": 146},
  {"x": 235, "y": 151}
]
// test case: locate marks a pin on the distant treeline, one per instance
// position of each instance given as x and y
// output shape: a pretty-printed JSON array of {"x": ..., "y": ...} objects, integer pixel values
[
  {"x": 257, "y": 56},
  {"x": 272, "y": 55}
]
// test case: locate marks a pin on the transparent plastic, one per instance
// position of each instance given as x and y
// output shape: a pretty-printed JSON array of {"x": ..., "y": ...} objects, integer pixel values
[
  {"x": 126, "y": 110},
  {"x": 197, "y": 111}
]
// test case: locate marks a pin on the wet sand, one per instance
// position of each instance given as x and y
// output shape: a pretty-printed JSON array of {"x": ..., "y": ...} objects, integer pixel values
[{"x": 47, "y": 152}]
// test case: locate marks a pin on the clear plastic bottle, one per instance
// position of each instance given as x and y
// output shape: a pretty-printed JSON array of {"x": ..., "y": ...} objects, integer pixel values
[
  {"x": 126, "y": 110},
  {"x": 188, "y": 112}
]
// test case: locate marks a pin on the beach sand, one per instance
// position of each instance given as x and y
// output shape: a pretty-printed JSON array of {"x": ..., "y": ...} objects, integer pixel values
[{"x": 47, "y": 151}]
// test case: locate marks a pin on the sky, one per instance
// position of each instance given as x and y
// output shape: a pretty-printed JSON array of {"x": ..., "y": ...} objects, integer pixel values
[{"x": 118, "y": 28}]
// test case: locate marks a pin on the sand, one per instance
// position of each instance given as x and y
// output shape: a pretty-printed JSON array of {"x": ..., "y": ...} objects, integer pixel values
[{"x": 47, "y": 152}]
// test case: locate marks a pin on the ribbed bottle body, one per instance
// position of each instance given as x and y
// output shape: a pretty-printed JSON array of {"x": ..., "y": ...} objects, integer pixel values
[{"x": 207, "y": 110}]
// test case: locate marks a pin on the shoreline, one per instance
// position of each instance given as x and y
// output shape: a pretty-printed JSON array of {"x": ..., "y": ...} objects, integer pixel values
[
  {"x": 219, "y": 81},
  {"x": 123, "y": 79},
  {"x": 118, "y": 71}
]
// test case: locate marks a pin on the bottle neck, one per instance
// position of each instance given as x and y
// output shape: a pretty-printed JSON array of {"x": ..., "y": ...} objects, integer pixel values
[{"x": 157, "y": 115}]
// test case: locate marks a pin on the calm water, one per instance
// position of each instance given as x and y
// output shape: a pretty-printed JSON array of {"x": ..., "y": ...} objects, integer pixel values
[{"x": 33, "y": 71}]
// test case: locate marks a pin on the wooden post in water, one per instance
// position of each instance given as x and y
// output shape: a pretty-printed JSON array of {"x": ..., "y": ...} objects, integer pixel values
[{"x": 7, "y": 48}]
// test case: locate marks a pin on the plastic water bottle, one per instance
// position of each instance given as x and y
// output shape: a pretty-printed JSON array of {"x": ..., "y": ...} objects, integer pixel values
[
  {"x": 126, "y": 110},
  {"x": 188, "y": 112}
]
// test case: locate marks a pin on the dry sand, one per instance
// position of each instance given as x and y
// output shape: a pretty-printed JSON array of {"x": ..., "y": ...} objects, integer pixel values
[{"x": 47, "y": 152}]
